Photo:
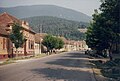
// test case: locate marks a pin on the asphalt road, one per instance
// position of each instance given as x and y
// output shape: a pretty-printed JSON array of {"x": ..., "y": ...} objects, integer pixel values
[{"x": 70, "y": 66}]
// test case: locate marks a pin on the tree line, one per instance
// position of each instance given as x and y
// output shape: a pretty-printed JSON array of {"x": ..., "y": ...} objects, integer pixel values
[{"x": 58, "y": 26}]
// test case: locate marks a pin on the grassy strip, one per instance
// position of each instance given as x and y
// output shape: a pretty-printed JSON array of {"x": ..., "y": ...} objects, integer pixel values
[
  {"x": 41, "y": 55},
  {"x": 8, "y": 61},
  {"x": 13, "y": 60},
  {"x": 110, "y": 69}
]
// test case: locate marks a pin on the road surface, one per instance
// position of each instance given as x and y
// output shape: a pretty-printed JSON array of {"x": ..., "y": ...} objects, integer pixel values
[{"x": 70, "y": 66}]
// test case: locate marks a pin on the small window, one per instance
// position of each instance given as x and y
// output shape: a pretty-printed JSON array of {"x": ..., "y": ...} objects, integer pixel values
[
  {"x": 4, "y": 43},
  {"x": 8, "y": 25}
]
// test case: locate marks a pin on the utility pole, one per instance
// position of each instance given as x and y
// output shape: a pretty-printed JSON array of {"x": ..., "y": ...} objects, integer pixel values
[
  {"x": 40, "y": 39},
  {"x": 40, "y": 31}
]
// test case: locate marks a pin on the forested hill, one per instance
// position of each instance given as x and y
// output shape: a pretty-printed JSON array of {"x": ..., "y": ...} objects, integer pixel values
[
  {"x": 57, "y": 26},
  {"x": 46, "y": 10}
]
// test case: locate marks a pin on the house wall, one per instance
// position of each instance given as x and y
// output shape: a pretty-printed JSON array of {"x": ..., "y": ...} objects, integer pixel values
[
  {"x": 37, "y": 50},
  {"x": 28, "y": 47},
  {"x": 30, "y": 44},
  {"x": 3, "y": 47},
  {"x": 20, "y": 51},
  {"x": 41, "y": 49},
  {"x": 68, "y": 47}
]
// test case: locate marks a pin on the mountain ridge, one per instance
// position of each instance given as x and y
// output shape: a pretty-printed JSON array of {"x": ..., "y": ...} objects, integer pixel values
[{"x": 46, "y": 10}]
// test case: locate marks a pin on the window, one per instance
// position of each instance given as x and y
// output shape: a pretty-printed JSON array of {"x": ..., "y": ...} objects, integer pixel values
[
  {"x": 31, "y": 44},
  {"x": 4, "y": 43}
]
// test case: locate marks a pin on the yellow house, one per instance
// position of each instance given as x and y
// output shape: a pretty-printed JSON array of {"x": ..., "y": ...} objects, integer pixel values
[{"x": 6, "y": 22}]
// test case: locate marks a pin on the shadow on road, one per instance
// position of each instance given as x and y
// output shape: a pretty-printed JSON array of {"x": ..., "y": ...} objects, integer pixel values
[
  {"x": 64, "y": 74},
  {"x": 67, "y": 68},
  {"x": 71, "y": 60},
  {"x": 74, "y": 55},
  {"x": 68, "y": 62}
]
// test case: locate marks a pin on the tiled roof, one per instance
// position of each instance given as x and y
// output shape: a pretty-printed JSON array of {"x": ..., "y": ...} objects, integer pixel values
[
  {"x": 32, "y": 30},
  {"x": 42, "y": 35},
  {"x": 64, "y": 39},
  {"x": 39, "y": 36},
  {"x": 6, "y": 19}
]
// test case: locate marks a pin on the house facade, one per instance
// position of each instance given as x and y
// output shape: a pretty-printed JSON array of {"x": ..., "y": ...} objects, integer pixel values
[
  {"x": 3, "y": 44},
  {"x": 6, "y": 22}
]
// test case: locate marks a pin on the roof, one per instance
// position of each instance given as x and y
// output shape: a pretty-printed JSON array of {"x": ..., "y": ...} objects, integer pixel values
[
  {"x": 39, "y": 37},
  {"x": 83, "y": 30},
  {"x": 42, "y": 35},
  {"x": 6, "y": 19},
  {"x": 64, "y": 39},
  {"x": 31, "y": 30}
]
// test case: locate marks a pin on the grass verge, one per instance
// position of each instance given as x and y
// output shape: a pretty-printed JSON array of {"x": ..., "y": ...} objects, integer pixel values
[
  {"x": 8, "y": 61},
  {"x": 110, "y": 69},
  {"x": 41, "y": 55},
  {"x": 13, "y": 60}
]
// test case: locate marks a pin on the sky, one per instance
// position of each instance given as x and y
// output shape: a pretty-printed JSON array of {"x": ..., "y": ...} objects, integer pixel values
[{"x": 84, "y": 6}]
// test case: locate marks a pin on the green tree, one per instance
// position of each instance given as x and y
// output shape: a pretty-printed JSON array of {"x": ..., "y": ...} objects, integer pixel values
[
  {"x": 111, "y": 11},
  {"x": 59, "y": 43},
  {"x": 16, "y": 36},
  {"x": 48, "y": 41},
  {"x": 52, "y": 42},
  {"x": 104, "y": 31}
]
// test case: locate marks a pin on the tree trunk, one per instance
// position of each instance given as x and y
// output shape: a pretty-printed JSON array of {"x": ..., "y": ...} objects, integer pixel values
[
  {"x": 16, "y": 52},
  {"x": 12, "y": 53},
  {"x": 110, "y": 53}
]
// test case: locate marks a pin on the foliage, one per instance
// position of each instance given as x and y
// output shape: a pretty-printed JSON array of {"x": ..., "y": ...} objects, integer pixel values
[
  {"x": 48, "y": 41},
  {"x": 16, "y": 36},
  {"x": 104, "y": 31},
  {"x": 58, "y": 26},
  {"x": 97, "y": 36},
  {"x": 59, "y": 43},
  {"x": 52, "y": 42}
]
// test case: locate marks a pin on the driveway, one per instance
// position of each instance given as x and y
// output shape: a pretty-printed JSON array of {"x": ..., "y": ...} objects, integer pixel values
[{"x": 69, "y": 66}]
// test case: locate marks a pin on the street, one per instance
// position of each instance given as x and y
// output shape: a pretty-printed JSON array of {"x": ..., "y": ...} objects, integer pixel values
[{"x": 69, "y": 66}]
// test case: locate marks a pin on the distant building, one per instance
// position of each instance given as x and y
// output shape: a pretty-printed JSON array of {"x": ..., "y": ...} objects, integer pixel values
[
  {"x": 6, "y": 22},
  {"x": 72, "y": 45},
  {"x": 83, "y": 30},
  {"x": 83, "y": 45}
]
